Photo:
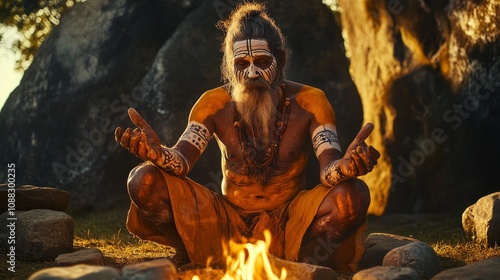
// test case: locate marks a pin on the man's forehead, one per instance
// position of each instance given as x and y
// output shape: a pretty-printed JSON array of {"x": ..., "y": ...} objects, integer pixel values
[{"x": 251, "y": 46}]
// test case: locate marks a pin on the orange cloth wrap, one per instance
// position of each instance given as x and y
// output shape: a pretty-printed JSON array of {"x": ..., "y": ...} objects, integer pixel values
[{"x": 205, "y": 220}]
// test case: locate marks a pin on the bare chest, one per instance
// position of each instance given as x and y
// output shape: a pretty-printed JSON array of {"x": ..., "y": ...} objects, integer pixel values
[{"x": 285, "y": 153}]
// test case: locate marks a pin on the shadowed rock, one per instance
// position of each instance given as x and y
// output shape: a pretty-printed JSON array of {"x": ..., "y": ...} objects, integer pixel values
[
  {"x": 29, "y": 197},
  {"x": 158, "y": 269},
  {"x": 377, "y": 245},
  {"x": 487, "y": 269},
  {"x": 77, "y": 272},
  {"x": 387, "y": 273},
  {"x": 91, "y": 256}
]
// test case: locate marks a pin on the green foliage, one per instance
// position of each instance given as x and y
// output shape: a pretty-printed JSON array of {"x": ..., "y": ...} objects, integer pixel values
[{"x": 34, "y": 20}]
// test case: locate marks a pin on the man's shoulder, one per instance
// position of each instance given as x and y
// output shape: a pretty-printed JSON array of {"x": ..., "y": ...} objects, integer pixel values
[
  {"x": 300, "y": 90},
  {"x": 210, "y": 102},
  {"x": 220, "y": 92},
  {"x": 309, "y": 96},
  {"x": 315, "y": 101}
]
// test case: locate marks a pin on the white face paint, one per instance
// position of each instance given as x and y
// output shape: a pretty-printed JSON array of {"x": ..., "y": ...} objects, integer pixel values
[{"x": 253, "y": 58}]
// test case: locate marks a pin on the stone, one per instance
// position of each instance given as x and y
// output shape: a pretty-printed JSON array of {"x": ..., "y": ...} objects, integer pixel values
[
  {"x": 387, "y": 273},
  {"x": 427, "y": 73},
  {"x": 486, "y": 269},
  {"x": 417, "y": 255},
  {"x": 40, "y": 234},
  {"x": 90, "y": 256},
  {"x": 161, "y": 269},
  {"x": 30, "y": 197},
  {"x": 77, "y": 272},
  {"x": 377, "y": 245},
  {"x": 301, "y": 271},
  {"x": 202, "y": 273},
  {"x": 481, "y": 221}
]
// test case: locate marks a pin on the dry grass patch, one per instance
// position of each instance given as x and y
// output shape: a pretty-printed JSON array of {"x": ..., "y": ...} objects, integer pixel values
[{"x": 107, "y": 232}]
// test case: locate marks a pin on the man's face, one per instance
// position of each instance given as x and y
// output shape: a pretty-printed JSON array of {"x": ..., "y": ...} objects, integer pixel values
[{"x": 253, "y": 59}]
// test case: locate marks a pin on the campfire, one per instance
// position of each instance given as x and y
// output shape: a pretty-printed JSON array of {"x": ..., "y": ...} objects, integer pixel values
[{"x": 249, "y": 261}]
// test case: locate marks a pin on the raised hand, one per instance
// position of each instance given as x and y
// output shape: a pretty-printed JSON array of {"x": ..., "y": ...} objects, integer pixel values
[
  {"x": 359, "y": 158},
  {"x": 142, "y": 141}
]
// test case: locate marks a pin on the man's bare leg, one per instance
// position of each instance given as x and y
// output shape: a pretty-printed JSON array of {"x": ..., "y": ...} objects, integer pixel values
[
  {"x": 340, "y": 214},
  {"x": 148, "y": 190}
]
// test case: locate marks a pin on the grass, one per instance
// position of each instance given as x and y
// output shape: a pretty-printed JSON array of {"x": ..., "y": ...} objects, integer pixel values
[{"x": 106, "y": 231}]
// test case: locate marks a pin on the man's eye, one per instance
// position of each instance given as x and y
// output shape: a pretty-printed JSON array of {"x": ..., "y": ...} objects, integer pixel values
[
  {"x": 263, "y": 62},
  {"x": 240, "y": 65}
]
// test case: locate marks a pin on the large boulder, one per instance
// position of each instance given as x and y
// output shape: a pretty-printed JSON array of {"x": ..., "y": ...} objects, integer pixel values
[
  {"x": 158, "y": 56},
  {"x": 38, "y": 234},
  {"x": 417, "y": 255},
  {"x": 58, "y": 125},
  {"x": 481, "y": 221},
  {"x": 377, "y": 245},
  {"x": 428, "y": 72}
]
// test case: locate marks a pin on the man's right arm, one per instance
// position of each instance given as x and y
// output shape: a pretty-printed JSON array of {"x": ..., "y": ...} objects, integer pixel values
[
  {"x": 179, "y": 159},
  {"x": 144, "y": 143}
]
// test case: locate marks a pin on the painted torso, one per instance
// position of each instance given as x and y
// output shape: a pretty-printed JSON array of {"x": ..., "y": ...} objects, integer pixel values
[{"x": 245, "y": 192}]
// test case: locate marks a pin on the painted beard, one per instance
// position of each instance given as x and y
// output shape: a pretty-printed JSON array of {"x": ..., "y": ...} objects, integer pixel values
[{"x": 257, "y": 102}]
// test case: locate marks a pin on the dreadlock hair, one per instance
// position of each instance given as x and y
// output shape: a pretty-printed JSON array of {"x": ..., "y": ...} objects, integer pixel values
[{"x": 250, "y": 20}]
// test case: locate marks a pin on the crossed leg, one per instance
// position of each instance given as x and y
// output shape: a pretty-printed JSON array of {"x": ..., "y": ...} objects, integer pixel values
[
  {"x": 147, "y": 189},
  {"x": 339, "y": 216}
]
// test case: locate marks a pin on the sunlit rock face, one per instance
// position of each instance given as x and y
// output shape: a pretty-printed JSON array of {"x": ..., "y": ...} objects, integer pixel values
[
  {"x": 158, "y": 56},
  {"x": 427, "y": 73}
]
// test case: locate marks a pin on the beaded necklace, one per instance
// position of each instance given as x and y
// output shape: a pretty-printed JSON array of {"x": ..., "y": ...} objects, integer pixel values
[{"x": 260, "y": 163}]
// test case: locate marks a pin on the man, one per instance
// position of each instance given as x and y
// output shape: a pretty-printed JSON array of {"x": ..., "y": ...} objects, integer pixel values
[{"x": 264, "y": 126}]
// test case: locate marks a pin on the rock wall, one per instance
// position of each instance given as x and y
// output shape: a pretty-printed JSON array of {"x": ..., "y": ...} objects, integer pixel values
[
  {"x": 158, "y": 56},
  {"x": 427, "y": 73}
]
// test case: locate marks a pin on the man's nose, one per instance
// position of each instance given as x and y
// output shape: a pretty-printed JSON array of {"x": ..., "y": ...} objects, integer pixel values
[{"x": 252, "y": 71}]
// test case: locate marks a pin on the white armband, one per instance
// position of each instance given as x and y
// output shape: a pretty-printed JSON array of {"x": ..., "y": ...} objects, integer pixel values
[
  {"x": 325, "y": 137},
  {"x": 197, "y": 134}
]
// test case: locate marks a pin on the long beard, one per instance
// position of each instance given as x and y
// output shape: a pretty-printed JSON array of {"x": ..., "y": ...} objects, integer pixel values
[{"x": 257, "y": 102}]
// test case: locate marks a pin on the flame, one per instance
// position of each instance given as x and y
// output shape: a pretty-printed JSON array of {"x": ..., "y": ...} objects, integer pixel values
[{"x": 249, "y": 261}]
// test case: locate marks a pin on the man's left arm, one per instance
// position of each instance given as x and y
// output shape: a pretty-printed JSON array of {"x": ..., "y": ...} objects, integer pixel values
[
  {"x": 335, "y": 167},
  {"x": 358, "y": 160}
]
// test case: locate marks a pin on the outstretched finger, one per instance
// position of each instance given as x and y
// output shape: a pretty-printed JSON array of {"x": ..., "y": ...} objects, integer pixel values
[
  {"x": 361, "y": 136},
  {"x": 138, "y": 120},
  {"x": 118, "y": 134},
  {"x": 360, "y": 164},
  {"x": 124, "y": 140},
  {"x": 364, "y": 133},
  {"x": 134, "y": 141},
  {"x": 373, "y": 152}
]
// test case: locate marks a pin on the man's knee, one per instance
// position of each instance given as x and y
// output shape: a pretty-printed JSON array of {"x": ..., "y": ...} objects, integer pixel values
[
  {"x": 351, "y": 197},
  {"x": 145, "y": 182}
]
